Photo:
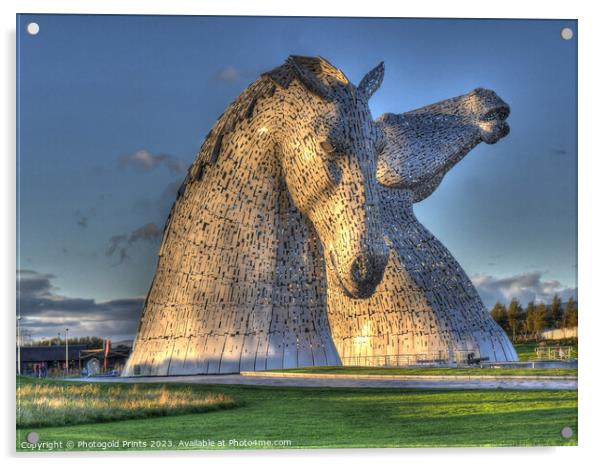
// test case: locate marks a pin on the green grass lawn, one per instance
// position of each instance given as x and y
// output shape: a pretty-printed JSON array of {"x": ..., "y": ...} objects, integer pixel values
[
  {"x": 52, "y": 404},
  {"x": 357, "y": 370},
  {"x": 340, "y": 418},
  {"x": 526, "y": 351}
]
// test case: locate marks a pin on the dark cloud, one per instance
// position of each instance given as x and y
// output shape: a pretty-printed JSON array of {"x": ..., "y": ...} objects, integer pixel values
[
  {"x": 119, "y": 245},
  {"x": 144, "y": 161},
  {"x": 228, "y": 74},
  {"x": 525, "y": 287},
  {"x": 82, "y": 220},
  {"x": 32, "y": 283},
  {"x": 45, "y": 313}
]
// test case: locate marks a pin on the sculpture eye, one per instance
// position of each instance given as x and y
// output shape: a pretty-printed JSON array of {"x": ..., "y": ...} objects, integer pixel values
[{"x": 327, "y": 147}]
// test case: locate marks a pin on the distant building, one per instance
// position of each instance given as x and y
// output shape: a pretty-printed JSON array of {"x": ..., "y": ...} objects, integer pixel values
[
  {"x": 93, "y": 360},
  {"x": 42, "y": 361},
  {"x": 49, "y": 361}
]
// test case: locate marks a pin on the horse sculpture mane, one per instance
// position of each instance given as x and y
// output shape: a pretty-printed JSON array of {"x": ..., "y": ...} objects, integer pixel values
[
  {"x": 244, "y": 105},
  {"x": 276, "y": 254},
  {"x": 241, "y": 109}
]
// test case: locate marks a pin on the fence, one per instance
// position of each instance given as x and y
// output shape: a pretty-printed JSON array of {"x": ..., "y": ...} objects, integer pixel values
[
  {"x": 434, "y": 358},
  {"x": 555, "y": 352}
]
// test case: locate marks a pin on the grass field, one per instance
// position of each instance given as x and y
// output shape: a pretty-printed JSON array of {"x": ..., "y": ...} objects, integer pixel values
[
  {"x": 48, "y": 404},
  {"x": 428, "y": 371},
  {"x": 526, "y": 351},
  {"x": 331, "y": 418}
]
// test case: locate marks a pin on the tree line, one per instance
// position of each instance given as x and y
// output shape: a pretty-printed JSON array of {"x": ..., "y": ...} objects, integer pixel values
[
  {"x": 528, "y": 323},
  {"x": 90, "y": 342}
]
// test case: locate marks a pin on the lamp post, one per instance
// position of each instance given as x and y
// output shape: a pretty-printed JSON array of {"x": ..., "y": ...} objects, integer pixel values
[
  {"x": 19, "y": 345},
  {"x": 66, "y": 352}
]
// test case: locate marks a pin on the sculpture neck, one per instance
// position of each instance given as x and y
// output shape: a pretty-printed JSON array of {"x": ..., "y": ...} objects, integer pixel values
[{"x": 397, "y": 204}]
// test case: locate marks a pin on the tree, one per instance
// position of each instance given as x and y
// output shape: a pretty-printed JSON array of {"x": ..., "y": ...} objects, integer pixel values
[
  {"x": 529, "y": 319},
  {"x": 539, "y": 322},
  {"x": 514, "y": 315},
  {"x": 498, "y": 312},
  {"x": 90, "y": 342},
  {"x": 555, "y": 314},
  {"x": 570, "y": 315}
]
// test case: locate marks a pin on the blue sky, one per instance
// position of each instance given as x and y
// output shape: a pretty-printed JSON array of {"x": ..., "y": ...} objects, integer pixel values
[{"x": 112, "y": 109}]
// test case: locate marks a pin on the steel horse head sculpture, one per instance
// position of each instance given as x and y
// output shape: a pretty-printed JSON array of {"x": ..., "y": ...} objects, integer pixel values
[
  {"x": 425, "y": 308},
  {"x": 289, "y": 241},
  {"x": 285, "y": 178}
]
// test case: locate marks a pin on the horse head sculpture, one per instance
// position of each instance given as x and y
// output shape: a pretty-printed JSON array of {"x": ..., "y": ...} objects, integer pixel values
[
  {"x": 425, "y": 306},
  {"x": 422, "y": 145},
  {"x": 283, "y": 189},
  {"x": 292, "y": 241},
  {"x": 326, "y": 139}
]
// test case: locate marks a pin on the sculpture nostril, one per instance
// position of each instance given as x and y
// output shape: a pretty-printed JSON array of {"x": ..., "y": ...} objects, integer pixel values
[
  {"x": 361, "y": 269},
  {"x": 500, "y": 112},
  {"x": 505, "y": 130},
  {"x": 368, "y": 268}
]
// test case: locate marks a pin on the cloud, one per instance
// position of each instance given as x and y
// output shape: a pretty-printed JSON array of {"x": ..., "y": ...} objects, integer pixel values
[
  {"x": 45, "y": 313},
  {"x": 119, "y": 245},
  {"x": 81, "y": 219},
  {"x": 32, "y": 283},
  {"x": 148, "y": 232},
  {"x": 144, "y": 161},
  {"x": 560, "y": 151},
  {"x": 228, "y": 74},
  {"x": 525, "y": 287}
]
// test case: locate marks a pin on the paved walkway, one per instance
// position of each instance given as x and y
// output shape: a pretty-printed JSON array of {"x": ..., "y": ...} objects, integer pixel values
[{"x": 313, "y": 380}]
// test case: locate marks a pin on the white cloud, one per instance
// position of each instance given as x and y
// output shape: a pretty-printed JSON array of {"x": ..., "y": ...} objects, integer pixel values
[
  {"x": 228, "y": 74},
  {"x": 144, "y": 161},
  {"x": 524, "y": 287}
]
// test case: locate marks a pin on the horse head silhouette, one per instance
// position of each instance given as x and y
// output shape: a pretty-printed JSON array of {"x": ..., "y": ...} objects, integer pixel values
[{"x": 327, "y": 141}]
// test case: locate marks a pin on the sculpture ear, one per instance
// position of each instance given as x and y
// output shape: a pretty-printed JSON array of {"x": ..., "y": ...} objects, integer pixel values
[
  {"x": 372, "y": 81},
  {"x": 309, "y": 78}
]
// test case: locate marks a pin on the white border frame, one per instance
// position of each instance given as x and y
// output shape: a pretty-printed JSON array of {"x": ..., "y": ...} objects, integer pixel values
[{"x": 589, "y": 218}]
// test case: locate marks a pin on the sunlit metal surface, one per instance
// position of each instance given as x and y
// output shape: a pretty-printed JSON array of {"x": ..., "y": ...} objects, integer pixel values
[
  {"x": 425, "y": 303},
  {"x": 296, "y": 207}
]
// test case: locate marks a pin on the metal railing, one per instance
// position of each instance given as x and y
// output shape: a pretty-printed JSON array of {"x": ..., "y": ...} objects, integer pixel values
[
  {"x": 555, "y": 352},
  {"x": 433, "y": 358}
]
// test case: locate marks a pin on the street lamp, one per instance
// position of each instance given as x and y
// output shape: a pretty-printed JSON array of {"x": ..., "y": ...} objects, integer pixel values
[
  {"x": 19, "y": 345},
  {"x": 66, "y": 352}
]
